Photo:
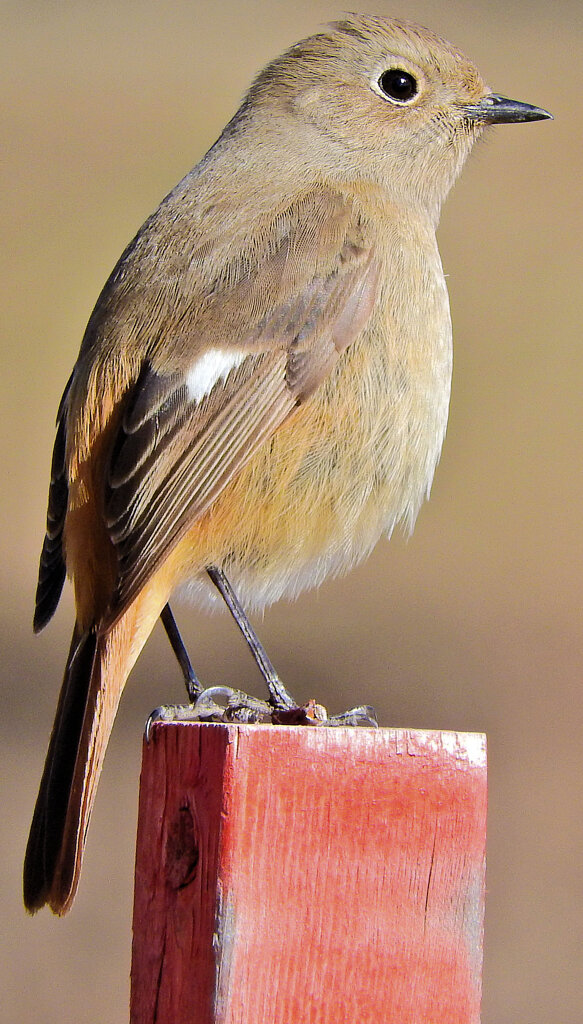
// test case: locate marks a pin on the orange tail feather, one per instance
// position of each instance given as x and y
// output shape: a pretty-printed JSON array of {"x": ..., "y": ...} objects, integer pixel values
[{"x": 96, "y": 671}]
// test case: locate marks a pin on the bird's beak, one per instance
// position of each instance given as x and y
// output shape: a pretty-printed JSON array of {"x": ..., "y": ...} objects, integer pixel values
[{"x": 494, "y": 109}]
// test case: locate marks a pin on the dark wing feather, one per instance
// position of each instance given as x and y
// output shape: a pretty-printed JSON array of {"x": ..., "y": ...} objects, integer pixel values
[
  {"x": 197, "y": 451},
  {"x": 51, "y": 575}
]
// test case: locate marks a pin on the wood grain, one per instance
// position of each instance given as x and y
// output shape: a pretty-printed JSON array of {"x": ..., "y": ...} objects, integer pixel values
[{"x": 289, "y": 875}]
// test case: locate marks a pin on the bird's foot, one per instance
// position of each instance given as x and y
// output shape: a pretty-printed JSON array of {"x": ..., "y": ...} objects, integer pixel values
[
  {"x": 214, "y": 704},
  {"x": 225, "y": 704}
]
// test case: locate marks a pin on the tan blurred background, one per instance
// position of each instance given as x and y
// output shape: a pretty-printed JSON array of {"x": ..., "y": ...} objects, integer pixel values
[{"x": 474, "y": 624}]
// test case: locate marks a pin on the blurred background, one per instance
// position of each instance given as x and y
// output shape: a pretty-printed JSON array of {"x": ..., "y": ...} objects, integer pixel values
[{"x": 473, "y": 624}]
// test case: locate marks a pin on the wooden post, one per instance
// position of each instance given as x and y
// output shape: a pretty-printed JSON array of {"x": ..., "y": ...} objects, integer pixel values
[{"x": 309, "y": 875}]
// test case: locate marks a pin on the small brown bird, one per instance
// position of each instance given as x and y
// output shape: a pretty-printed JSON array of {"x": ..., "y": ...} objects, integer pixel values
[{"x": 263, "y": 386}]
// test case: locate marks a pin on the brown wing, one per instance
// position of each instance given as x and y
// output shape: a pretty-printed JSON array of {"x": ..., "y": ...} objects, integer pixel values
[
  {"x": 279, "y": 304},
  {"x": 174, "y": 455}
]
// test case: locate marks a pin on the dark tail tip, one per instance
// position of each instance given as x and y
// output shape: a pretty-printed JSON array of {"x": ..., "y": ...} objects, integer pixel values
[{"x": 48, "y": 823}]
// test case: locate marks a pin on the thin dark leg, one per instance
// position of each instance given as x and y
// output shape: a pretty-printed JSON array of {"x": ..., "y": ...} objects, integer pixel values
[
  {"x": 223, "y": 704},
  {"x": 193, "y": 685},
  {"x": 279, "y": 696}
]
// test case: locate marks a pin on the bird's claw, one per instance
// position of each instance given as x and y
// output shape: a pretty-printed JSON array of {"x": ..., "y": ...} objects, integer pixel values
[
  {"x": 215, "y": 704},
  {"x": 224, "y": 704},
  {"x": 363, "y": 715}
]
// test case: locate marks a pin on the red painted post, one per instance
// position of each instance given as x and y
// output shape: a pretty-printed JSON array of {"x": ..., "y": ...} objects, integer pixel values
[{"x": 309, "y": 875}]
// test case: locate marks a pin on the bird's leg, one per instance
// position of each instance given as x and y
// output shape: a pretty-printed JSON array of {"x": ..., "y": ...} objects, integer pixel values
[
  {"x": 194, "y": 687},
  {"x": 280, "y": 699},
  {"x": 215, "y": 703},
  {"x": 285, "y": 709},
  {"x": 223, "y": 703}
]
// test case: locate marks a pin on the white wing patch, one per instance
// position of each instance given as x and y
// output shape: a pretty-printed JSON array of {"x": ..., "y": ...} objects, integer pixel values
[{"x": 212, "y": 366}]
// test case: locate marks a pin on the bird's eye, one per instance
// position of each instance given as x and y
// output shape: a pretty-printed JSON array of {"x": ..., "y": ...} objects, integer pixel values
[{"x": 398, "y": 85}]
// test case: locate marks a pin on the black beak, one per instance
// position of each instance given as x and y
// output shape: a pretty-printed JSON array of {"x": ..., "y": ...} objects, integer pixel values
[{"x": 494, "y": 109}]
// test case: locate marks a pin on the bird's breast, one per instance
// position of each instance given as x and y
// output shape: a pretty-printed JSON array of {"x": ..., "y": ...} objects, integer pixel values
[{"x": 356, "y": 459}]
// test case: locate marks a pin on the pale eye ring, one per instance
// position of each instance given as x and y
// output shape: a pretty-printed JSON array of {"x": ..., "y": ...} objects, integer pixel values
[{"x": 398, "y": 85}]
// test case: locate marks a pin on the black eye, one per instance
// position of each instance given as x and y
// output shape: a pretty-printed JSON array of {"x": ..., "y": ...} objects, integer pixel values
[{"x": 398, "y": 85}]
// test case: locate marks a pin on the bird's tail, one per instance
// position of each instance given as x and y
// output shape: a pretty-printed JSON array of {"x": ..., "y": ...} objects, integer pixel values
[{"x": 95, "y": 674}]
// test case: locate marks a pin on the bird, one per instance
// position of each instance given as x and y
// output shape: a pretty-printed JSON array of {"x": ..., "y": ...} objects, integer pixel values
[{"x": 262, "y": 388}]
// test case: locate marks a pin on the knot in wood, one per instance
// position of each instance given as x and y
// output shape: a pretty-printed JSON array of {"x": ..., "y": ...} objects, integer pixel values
[{"x": 182, "y": 852}]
